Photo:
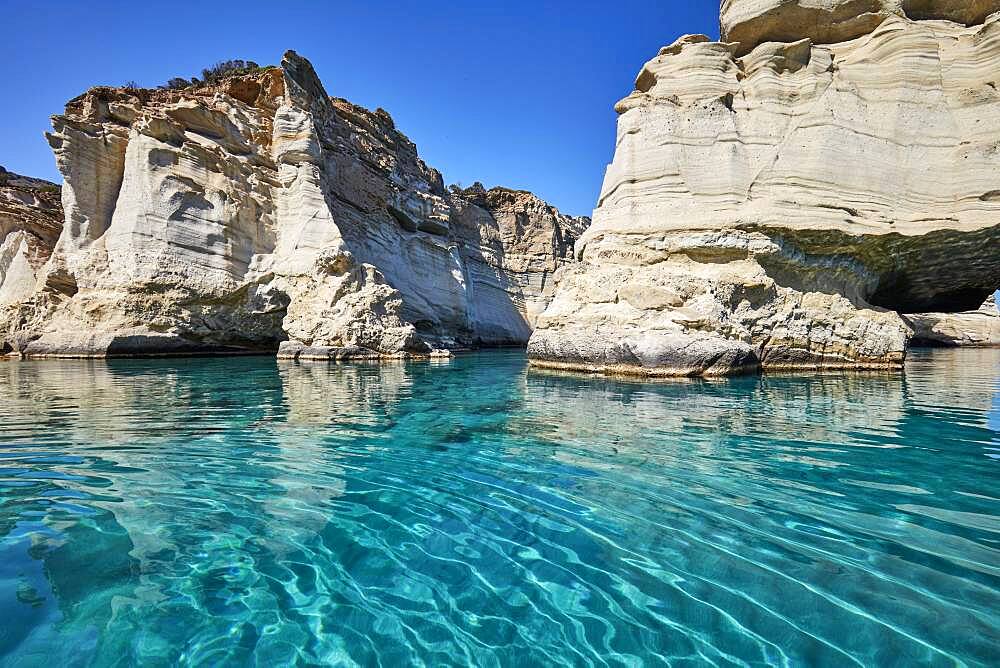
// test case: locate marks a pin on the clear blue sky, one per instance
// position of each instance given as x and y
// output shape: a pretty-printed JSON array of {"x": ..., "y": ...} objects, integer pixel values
[{"x": 516, "y": 93}]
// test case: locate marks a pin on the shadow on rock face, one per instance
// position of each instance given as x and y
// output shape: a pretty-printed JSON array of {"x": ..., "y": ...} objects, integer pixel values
[
  {"x": 71, "y": 344},
  {"x": 124, "y": 346}
]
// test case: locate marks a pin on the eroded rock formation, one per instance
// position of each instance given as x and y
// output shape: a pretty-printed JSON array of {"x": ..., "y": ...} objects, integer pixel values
[
  {"x": 967, "y": 328},
  {"x": 753, "y": 22},
  {"x": 536, "y": 240},
  {"x": 257, "y": 211},
  {"x": 31, "y": 219},
  {"x": 776, "y": 203}
]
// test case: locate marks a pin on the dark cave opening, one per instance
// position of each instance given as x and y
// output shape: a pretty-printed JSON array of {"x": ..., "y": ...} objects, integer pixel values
[{"x": 896, "y": 293}]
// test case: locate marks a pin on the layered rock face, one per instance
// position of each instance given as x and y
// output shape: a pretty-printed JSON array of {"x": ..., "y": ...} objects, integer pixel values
[
  {"x": 776, "y": 204},
  {"x": 753, "y": 22},
  {"x": 259, "y": 211}
]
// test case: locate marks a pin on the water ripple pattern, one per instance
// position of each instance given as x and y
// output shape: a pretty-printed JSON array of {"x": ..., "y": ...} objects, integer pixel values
[{"x": 218, "y": 512}]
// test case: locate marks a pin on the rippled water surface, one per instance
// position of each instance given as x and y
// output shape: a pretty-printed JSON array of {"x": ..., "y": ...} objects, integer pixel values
[{"x": 251, "y": 512}]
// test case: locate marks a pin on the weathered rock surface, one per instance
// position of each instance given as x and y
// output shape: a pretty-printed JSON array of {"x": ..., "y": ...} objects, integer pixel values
[
  {"x": 753, "y": 22},
  {"x": 30, "y": 222},
  {"x": 534, "y": 242},
  {"x": 259, "y": 211},
  {"x": 969, "y": 328},
  {"x": 777, "y": 209}
]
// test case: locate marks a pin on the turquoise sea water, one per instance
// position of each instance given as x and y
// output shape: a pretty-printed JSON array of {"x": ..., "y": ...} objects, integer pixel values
[{"x": 251, "y": 512}]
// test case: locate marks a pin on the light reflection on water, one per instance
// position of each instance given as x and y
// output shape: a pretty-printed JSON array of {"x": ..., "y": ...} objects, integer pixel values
[{"x": 235, "y": 511}]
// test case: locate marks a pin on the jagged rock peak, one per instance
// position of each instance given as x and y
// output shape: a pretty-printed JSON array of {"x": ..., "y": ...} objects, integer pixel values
[
  {"x": 303, "y": 84},
  {"x": 12, "y": 180}
]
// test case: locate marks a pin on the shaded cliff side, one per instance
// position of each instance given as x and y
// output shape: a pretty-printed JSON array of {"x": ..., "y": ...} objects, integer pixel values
[{"x": 31, "y": 219}]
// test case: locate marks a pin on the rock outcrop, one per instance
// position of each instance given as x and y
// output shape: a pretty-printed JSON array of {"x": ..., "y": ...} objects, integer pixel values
[
  {"x": 753, "y": 22},
  {"x": 535, "y": 241},
  {"x": 979, "y": 328},
  {"x": 259, "y": 211},
  {"x": 776, "y": 204},
  {"x": 30, "y": 222}
]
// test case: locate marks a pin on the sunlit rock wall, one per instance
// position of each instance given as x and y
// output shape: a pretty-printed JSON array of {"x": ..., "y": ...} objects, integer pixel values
[
  {"x": 259, "y": 211},
  {"x": 777, "y": 208}
]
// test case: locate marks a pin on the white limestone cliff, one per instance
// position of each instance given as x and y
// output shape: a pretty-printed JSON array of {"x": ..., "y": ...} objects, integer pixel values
[
  {"x": 775, "y": 204},
  {"x": 258, "y": 210}
]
